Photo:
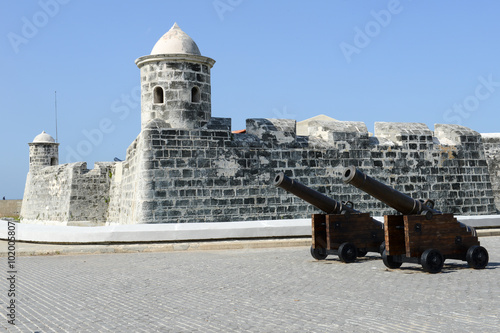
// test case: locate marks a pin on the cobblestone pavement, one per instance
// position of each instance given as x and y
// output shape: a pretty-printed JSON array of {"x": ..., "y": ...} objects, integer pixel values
[{"x": 256, "y": 290}]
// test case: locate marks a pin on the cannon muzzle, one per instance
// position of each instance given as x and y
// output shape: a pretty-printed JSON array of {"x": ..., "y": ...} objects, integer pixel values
[
  {"x": 313, "y": 197},
  {"x": 397, "y": 200}
]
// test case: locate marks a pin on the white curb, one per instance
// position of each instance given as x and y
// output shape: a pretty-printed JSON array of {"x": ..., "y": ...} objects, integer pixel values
[{"x": 138, "y": 233}]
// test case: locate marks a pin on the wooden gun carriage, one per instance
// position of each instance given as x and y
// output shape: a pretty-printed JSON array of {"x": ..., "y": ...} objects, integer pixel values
[
  {"x": 422, "y": 234},
  {"x": 342, "y": 231}
]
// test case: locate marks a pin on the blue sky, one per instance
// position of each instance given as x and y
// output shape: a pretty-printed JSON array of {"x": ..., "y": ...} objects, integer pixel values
[{"x": 396, "y": 61}]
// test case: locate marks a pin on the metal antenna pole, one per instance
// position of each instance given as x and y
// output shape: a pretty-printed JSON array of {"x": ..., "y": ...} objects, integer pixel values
[{"x": 55, "y": 105}]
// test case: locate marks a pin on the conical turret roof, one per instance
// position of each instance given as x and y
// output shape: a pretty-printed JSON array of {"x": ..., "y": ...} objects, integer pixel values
[{"x": 175, "y": 41}]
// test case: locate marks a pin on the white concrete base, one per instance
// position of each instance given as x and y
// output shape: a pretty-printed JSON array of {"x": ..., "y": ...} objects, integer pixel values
[
  {"x": 65, "y": 223},
  {"x": 484, "y": 221},
  {"x": 158, "y": 232},
  {"x": 138, "y": 233}
]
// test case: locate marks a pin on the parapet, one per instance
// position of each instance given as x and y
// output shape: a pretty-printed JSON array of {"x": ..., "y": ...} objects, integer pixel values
[
  {"x": 453, "y": 135},
  {"x": 397, "y": 133},
  {"x": 216, "y": 123},
  {"x": 336, "y": 134},
  {"x": 280, "y": 131},
  {"x": 491, "y": 138},
  {"x": 327, "y": 132},
  {"x": 333, "y": 131},
  {"x": 491, "y": 142},
  {"x": 80, "y": 168}
]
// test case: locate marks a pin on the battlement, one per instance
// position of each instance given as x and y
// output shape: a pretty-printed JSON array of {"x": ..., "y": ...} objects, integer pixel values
[
  {"x": 456, "y": 135},
  {"x": 211, "y": 174},
  {"x": 279, "y": 131},
  {"x": 386, "y": 133}
]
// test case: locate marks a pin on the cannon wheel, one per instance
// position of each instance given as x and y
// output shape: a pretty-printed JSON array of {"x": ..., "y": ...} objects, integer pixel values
[
  {"x": 477, "y": 257},
  {"x": 389, "y": 261},
  {"x": 318, "y": 254},
  {"x": 432, "y": 261},
  {"x": 347, "y": 252},
  {"x": 362, "y": 253},
  {"x": 381, "y": 249}
]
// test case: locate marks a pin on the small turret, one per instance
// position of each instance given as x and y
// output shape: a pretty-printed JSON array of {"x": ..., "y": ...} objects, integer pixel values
[{"x": 44, "y": 151}]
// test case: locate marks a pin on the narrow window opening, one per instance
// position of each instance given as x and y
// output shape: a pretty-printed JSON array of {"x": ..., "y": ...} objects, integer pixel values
[
  {"x": 158, "y": 95},
  {"x": 195, "y": 95},
  {"x": 53, "y": 161}
]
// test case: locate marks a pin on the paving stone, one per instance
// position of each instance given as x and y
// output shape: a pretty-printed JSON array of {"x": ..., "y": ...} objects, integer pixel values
[{"x": 251, "y": 290}]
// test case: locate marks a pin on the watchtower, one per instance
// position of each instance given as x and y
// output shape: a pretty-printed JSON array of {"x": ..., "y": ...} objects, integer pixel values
[
  {"x": 175, "y": 82},
  {"x": 44, "y": 151}
]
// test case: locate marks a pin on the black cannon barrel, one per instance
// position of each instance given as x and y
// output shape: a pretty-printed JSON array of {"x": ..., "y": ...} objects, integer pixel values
[
  {"x": 395, "y": 199},
  {"x": 313, "y": 197}
]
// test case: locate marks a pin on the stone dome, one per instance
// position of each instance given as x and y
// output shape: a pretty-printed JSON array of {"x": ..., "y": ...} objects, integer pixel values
[
  {"x": 175, "y": 41},
  {"x": 43, "y": 138}
]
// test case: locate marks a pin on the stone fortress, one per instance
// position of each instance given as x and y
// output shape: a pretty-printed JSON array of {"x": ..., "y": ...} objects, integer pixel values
[{"x": 187, "y": 166}]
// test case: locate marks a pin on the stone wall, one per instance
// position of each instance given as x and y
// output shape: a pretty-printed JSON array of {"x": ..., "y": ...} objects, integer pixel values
[
  {"x": 491, "y": 143},
  {"x": 210, "y": 174},
  {"x": 68, "y": 193},
  {"x": 124, "y": 189},
  {"x": 89, "y": 199},
  {"x": 47, "y": 193}
]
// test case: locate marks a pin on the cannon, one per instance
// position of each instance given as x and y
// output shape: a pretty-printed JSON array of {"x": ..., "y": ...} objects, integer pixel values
[
  {"x": 397, "y": 200},
  {"x": 342, "y": 231},
  {"x": 421, "y": 234}
]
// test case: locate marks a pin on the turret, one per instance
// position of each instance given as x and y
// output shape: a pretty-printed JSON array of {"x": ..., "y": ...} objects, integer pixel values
[
  {"x": 175, "y": 82},
  {"x": 44, "y": 151}
]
